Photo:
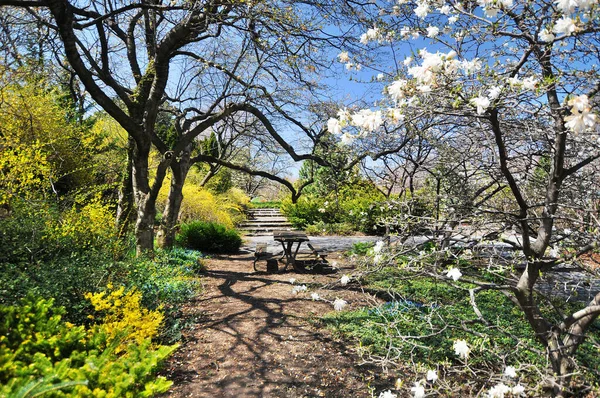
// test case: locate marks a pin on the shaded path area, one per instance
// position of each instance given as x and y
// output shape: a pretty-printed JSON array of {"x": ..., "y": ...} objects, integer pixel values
[{"x": 252, "y": 337}]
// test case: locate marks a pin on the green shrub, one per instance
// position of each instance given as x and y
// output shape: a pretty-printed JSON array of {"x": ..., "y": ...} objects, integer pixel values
[
  {"x": 167, "y": 281},
  {"x": 208, "y": 237},
  {"x": 304, "y": 212},
  {"x": 360, "y": 248},
  {"x": 321, "y": 228},
  {"x": 41, "y": 352}
]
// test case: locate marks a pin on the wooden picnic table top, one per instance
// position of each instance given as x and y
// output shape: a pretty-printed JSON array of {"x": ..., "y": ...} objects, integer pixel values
[{"x": 290, "y": 236}]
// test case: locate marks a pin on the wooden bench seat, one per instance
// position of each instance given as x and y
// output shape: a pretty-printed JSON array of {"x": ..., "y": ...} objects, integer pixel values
[
  {"x": 261, "y": 253},
  {"x": 320, "y": 253}
]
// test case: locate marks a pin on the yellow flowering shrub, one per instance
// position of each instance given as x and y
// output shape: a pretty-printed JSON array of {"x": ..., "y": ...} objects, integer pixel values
[
  {"x": 122, "y": 311},
  {"x": 41, "y": 151},
  {"x": 84, "y": 227},
  {"x": 198, "y": 204},
  {"x": 51, "y": 357}
]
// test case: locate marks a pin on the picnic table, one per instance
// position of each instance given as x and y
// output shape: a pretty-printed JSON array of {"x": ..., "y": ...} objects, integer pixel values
[
  {"x": 291, "y": 242},
  {"x": 288, "y": 239}
]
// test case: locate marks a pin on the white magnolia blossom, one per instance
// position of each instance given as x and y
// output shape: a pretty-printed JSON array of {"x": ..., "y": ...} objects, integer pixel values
[
  {"x": 452, "y": 20},
  {"x": 471, "y": 66},
  {"x": 529, "y": 83},
  {"x": 343, "y": 57},
  {"x": 408, "y": 61},
  {"x": 377, "y": 258},
  {"x": 482, "y": 103},
  {"x": 514, "y": 81},
  {"x": 367, "y": 120},
  {"x": 432, "y": 376},
  {"x": 315, "y": 296},
  {"x": 579, "y": 103},
  {"x": 339, "y": 304},
  {"x": 418, "y": 390},
  {"x": 422, "y": 10},
  {"x": 454, "y": 273},
  {"x": 565, "y": 26},
  {"x": 387, "y": 394},
  {"x": 432, "y": 64},
  {"x": 396, "y": 115},
  {"x": 432, "y": 31},
  {"x": 404, "y": 32},
  {"x": 424, "y": 88},
  {"x": 292, "y": 280},
  {"x": 322, "y": 210},
  {"x": 461, "y": 348},
  {"x": 343, "y": 116},
  {"x": 333, "y": 125},
  {"x": 498, "y": 391},
  {"x": 510, "y": 371},
  {"x": 566, "y": 6},
  {"x": 380, "y": 76},
  {"x": 546, "y": 36},
  {"x": 344, "y": 280},
  {"x": 491, "y": 11},
  {"x": 378, "y": 246},
  {"x": 299, "y": 288},
  {"x": 586, "y": 4},
  {"x": 347, "y": 139},
  {"x": 445, "y": 9},
  {"x": 518, "y": 390},
  {"x": 494, "y": 92},
  {"x": 581, "y": 119},
  {"x": 371, "y": 35},
  {"x": 396, "y": 89}
]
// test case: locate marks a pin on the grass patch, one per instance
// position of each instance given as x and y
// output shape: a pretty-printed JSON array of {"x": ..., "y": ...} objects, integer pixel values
[
  {"x": 429, "y": 315},
  {"x": 265, "y": 205}
]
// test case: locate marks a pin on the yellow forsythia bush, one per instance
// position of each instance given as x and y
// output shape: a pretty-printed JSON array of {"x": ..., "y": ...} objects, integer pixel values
[
  {"x": 122, "y": 311},
  {"x": 198, "y": 204},
  {"x": 87, "y": 226},
  {"x": 42, "y": 355}
]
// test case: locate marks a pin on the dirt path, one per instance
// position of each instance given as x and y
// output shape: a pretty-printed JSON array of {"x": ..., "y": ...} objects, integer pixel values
[{"x": 252, "y": 338}]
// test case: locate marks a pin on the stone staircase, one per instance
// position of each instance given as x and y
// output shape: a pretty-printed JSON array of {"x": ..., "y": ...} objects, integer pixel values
[{"x": 264, "y": 222}]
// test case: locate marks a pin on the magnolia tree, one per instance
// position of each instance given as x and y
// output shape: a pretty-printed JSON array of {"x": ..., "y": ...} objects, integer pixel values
[{"x": 524, "y": 76}]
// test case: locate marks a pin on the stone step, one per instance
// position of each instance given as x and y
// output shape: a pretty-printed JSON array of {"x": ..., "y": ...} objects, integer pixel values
[
  {"x": 246, "y": 225},
  {"x": 269, "y": 219},
  {"x": 265, "y": 214},
  {"x": 264, "y": 230}
]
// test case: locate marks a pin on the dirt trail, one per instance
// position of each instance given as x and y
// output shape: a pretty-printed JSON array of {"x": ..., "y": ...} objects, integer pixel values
[{"x": 252, "y": 338}]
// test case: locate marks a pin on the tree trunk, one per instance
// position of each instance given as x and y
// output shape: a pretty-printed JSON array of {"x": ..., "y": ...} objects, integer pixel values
[
  {"x": 167, "y": 229},
  {"x": 145, "y": 200},
  {"x": 562, "y": 367},
  {"x": 125, "y": 206}
]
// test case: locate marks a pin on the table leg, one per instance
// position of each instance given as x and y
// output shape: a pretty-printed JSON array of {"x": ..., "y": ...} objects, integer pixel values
[
  {"x": 285, "y": 255},
  {"x": 294, "y": 258}
]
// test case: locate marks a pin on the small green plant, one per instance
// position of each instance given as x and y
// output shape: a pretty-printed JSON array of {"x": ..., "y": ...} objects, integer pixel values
[
  {"x": 41, "y": 353},
  {"x": 167, "y": 281},
  {"x": 209, "y": 237},
  {"x": 360, "y": 249}
]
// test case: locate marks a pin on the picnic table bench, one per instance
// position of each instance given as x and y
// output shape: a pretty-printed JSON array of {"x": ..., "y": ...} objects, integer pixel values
[{"x": 290, "y": 242}]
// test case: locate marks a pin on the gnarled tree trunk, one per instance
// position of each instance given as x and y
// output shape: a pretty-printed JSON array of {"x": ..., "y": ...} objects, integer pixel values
[
  {"x": 125, "y": 205},
  {"x": 168, "y": 225}
]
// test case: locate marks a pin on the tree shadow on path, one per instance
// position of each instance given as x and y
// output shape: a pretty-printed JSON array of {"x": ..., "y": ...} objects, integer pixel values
[{"x": 253, "y": 338}]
